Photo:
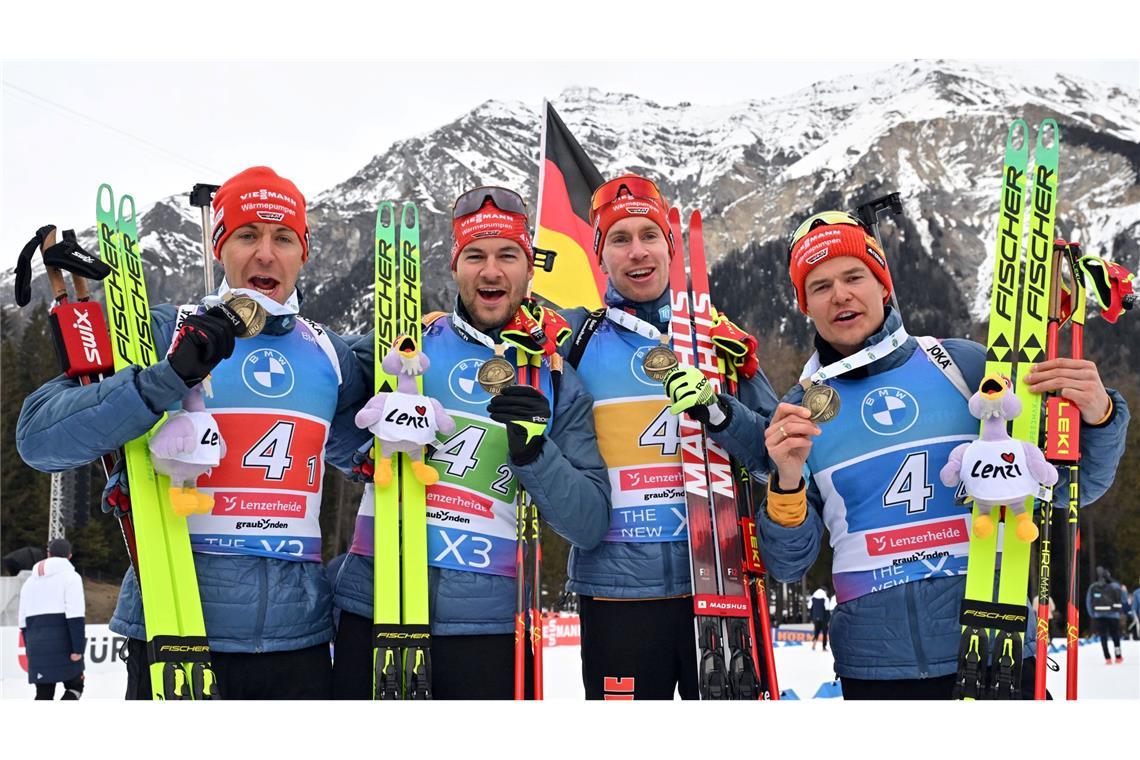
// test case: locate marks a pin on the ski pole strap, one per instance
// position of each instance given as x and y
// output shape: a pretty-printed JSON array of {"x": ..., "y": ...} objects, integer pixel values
[
  {"x": 1002, "y": 617},
  {"x": 593, "y": 320},
  {"x": 400, "y": 635},
  {"x": 179, "y": 649},
  {"x": 24, "y": 265},
  {"x": 69, "y": 256}
]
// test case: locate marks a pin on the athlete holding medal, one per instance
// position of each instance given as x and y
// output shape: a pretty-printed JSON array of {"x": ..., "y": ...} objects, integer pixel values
[{"x": 861, "y": 440}]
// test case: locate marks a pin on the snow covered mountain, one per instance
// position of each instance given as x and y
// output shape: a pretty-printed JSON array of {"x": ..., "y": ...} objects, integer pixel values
[{"x": 931, "y": 130}]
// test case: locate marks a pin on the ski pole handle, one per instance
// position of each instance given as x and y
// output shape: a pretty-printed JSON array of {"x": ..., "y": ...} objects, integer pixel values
[
  {"x": 201, "y": 195},
  {"x": 55, "y": 275}
]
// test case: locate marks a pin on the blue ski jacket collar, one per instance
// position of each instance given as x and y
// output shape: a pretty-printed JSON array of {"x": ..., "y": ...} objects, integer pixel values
[{"x": 656, "y": 312}]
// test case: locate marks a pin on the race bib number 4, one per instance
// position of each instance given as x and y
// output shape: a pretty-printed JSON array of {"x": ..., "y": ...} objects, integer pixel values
[{"x": 280, "y": 452}]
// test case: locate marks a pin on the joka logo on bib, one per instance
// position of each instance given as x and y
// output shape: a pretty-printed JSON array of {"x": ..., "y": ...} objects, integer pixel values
[
  {"x": 465, "y": 386},
  {"x": 889, "y": 411},
  {"x": 268, "y": 373}
]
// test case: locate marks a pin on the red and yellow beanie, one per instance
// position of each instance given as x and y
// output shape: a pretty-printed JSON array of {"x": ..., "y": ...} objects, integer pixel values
[
  {"x": 829, "y": 241},
  {"x": 258, "y": 194}
]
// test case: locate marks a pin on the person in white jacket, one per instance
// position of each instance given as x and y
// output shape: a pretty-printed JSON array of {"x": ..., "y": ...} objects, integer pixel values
[
  {"x": 51, "y": 618},
  {"x": 820, "y": 606}
]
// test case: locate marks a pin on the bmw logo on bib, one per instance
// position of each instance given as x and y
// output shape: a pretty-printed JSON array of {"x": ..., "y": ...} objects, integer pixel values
[
  {"x": 267, "y": 373},
  {"x": 465, "y": 386},
  {"x": 889, "y": 411}
]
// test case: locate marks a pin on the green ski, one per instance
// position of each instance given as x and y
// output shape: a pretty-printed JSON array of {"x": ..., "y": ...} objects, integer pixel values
[
  {"x": 177, "y": 647},
  {"x": 402, "y": 633},
  {"x": 1033, "y": 323},
  {"x": 993, "y": 631}
]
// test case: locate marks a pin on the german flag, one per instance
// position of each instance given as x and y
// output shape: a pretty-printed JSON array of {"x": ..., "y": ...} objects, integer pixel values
[{"x": 567, "y": 179}]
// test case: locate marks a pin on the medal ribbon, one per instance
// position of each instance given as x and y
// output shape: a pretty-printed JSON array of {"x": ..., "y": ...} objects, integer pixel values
[
  {"x": 815, "y": 374},
  {"x": 461, "y": 324},
  {"x": 632, "y": 323},
  {"x": 287, "y": 309}
]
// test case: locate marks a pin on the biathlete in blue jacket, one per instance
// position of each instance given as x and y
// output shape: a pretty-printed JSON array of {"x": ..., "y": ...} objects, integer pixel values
[
  {"x": 900, "y": 542},
  {"x": 496, "y": 447},
  {"x": 279, "y": 400},
  {"x": 638, "y": 636}
]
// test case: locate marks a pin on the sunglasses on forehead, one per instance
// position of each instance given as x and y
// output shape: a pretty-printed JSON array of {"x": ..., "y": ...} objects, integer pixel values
[
  {"x": 473, "y": 200},
  {"x": 823, "y": 219},
  {"x": 630, "y": 184}
]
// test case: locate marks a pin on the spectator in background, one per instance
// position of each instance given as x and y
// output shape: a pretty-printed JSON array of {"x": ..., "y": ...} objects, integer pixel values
[
  {"x": 51, "y": 619},
  {"x": 820, "y": 606},
  {"x": 1125, "y": 610},
  {"x": 1104, "y": 602}
]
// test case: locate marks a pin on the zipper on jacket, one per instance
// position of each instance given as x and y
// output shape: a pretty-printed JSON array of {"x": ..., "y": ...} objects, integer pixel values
[
  {"x": 263, "y": 582},
  {"x": 915, "y": 638}
]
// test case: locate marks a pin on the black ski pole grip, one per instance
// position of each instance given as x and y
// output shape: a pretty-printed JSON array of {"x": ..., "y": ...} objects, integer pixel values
[{"x": 202, "y": 194}]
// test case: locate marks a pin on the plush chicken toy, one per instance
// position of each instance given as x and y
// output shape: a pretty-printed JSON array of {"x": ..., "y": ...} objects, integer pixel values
[
  {"x": 187, "y": 446},
  {"x": 405, "y": 420},
  {"x": 996, "y": 469}
]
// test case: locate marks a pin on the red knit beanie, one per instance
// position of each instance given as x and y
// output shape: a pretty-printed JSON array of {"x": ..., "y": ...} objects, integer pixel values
[
  {"x": 625, "y": 204},
  {"x": 830, "y": 241},
  {"x": 258, "y": 194},
  {"x": 490, "y": 222}
]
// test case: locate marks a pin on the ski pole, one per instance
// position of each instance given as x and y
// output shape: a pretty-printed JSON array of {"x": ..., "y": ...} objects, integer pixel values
[
  {"x": 201, "y": 195},
  {"x": 83, "y": 346},
  {"x": 522, "y": 360},
  {"x": 869, "y": 214},
  {"x": 752, "y": 564},
  {"x": 1072, "y": 618},
  {"x": 536, "y": 639},
  {"x": 1058, "y": 448}
]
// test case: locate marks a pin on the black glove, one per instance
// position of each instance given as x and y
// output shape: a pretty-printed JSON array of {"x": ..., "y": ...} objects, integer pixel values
[
  {"x": 203, "y": 341},
  {"x": 526, "y": 413}
]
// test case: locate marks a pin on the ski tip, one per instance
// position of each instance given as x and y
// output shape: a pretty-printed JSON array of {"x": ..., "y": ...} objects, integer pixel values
[
  {"x": 126, "y": 202},
  {"x": 1048, "y": 135},
  {"x": 674, "y": 215},
  {"x": 1018, "y": 137},
  {"x": 105, "y": 193},
  {"x": 695, "y": 219},
  {"x": 409, "y": 216},
  {"x": 386, "y": 214}
]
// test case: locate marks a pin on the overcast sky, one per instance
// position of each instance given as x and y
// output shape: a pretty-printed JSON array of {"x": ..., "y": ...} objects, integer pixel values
[{"x": 154, "y": 129}]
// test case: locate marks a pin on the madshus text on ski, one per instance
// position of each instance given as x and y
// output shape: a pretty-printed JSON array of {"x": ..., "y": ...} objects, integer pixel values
[{"x": 644, "y": 432}]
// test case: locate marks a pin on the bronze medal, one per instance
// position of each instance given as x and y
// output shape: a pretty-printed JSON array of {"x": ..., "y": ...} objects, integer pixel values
[
  {"x": 253, "y": 316},
  {"x": 823, "y": 403},
  {"x": 495, "y": 374},
  {"x": 659, "y": 362}
]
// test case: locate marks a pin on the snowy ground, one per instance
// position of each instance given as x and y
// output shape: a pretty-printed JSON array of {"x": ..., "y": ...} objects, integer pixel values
[{"x": 798, "y": 667}]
